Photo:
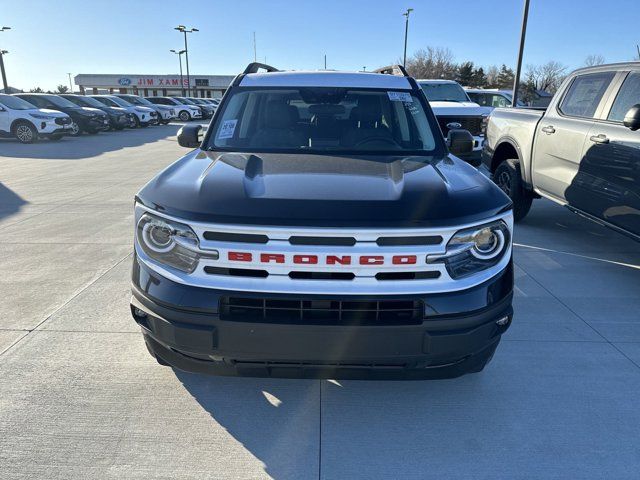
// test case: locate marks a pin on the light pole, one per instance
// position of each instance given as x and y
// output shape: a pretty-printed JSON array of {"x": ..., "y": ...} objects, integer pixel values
[
  {"x": 523, "y": 34},
  {"x": 70, "y": 84},
  {"x": 406, "y": 33},
  {"x": 2, "y": 54},
  {"x": 183, "y": 29},
  {"x": 179, "y": 53}
]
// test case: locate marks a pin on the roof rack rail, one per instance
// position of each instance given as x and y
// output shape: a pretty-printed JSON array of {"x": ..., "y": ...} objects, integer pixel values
[
  {"x": 255, "y": 66},
  {"x": 398, "y": 70}
]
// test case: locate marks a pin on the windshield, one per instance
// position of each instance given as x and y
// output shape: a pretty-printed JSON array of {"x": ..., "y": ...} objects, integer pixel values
[
  {"x": 15, "y": 103},
  {"x": 134, "y": 100},
  {"x": 60, "y": 102},
  {"x": 323, "y": 119},
  {"x": 85, "y": 101},
  {"x": 120, "y": 101},
  {"x": 444, "y": 92},
  {"x": 184, "y": 101}
]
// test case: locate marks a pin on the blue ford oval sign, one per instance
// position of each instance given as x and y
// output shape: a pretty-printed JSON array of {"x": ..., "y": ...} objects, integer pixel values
[{"x": 124, "y": 81}]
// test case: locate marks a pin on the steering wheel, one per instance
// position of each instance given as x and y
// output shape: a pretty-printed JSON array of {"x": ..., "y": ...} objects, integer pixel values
[{"x": 378, "y": 139}]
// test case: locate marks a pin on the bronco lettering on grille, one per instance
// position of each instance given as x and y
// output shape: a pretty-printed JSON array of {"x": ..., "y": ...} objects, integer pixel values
[{"x": 326, "y": 260}]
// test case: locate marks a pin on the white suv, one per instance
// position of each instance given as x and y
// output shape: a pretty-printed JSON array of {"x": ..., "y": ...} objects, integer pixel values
[
  {"x": 184, "y": 111},
  {"x": 27, "y": 123},
  {"x": 143, "y": 116}
]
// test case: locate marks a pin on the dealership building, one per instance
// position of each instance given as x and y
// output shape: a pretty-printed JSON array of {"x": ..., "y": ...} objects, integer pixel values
[{"x": 204, "y": 86}]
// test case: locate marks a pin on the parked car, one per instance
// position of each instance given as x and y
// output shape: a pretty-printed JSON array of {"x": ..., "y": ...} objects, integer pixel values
[
  {"x": 323, "y": 231},
  {"x": 489, "y": 99},
  {"x": 165, "y": 113},
  {"x": 25, "y": 122},
  {"x": 119, "y": 118},
  {"x": 207, "y": 109},
  {"x": 184, "y": 111},
  {"x": 582, "y": 152},
  {"x": 454, "y": 109},
  {"x": 84, "y": 119},
  {"x": 142, "y": 116}
]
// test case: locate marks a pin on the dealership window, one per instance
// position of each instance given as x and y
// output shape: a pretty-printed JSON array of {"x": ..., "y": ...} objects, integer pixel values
[{"x": 628, "y": 96}]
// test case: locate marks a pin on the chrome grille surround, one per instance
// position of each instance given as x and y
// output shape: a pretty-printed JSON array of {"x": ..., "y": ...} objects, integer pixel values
[{"x": 364, "y": 282}]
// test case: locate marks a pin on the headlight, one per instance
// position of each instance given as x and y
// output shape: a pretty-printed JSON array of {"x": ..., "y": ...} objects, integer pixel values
[
  {"x": 475, "y": 249},
  {"x": 170, "y": 243},
  {"x": 41, "y": 116}
]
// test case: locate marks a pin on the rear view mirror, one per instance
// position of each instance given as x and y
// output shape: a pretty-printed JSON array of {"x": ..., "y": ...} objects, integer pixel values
[
  {"x": 460, "y": 141},
  {"x": 632, "y": 118},
  {"x": 189, "y": 136}
]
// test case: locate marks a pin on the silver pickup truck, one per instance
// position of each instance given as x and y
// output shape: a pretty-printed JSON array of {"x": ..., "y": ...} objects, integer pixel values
[{"x": 583, "y": 151}]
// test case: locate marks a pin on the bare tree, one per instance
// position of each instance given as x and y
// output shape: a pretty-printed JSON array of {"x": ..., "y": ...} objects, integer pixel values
[
  {"x": 593, "y": 60},
  {"x": 492, "y": 76},
  {"x": 547, "y": 77},
  {"x": 432, "y": 62}
]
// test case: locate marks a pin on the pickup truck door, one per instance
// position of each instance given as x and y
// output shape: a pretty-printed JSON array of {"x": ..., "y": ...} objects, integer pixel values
[
  {"x": 562, "y": 132},
  {"x": 610, "y": 170}
]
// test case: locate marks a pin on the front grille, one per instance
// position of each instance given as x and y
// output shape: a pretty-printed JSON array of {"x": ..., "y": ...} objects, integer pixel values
[
  {"x": 63, "y": 120},
  {"x": 322, "y": 312},
  {"x": 473, "y": 124}
]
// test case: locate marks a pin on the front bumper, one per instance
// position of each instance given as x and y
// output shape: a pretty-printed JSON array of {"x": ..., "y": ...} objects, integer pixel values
[{"x": 182, "y": 325}]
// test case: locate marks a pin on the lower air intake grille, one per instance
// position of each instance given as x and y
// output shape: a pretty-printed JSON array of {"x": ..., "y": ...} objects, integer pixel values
[{"x": 322, "y": 312}]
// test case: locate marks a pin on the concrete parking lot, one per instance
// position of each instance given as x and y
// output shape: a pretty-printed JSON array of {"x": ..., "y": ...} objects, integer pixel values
[{"x": 81, "y": 398}]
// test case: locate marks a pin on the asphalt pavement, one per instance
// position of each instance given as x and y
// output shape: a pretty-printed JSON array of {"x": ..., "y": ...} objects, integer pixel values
[{"x": 81, "y": 398}]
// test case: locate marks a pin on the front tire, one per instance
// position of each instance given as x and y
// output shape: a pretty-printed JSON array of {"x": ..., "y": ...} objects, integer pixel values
[
  {"x": 184, "y": 116},
  {"x": 508, "y": 177},
  {"x": 25, "y": 132},
  {"x": 75, "y": 130}
]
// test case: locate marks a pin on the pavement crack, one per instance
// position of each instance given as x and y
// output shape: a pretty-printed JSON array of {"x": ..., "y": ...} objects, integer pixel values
[{"x": 73, "y": 297}]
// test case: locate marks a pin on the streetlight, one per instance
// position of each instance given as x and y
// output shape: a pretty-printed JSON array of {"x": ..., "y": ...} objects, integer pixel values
[
  {"x": 70, "y": 84},
  {"x": 2, "y": 53},
  {"x": 4, "y": 75},
  {"x": 406, "y": 32},
  {"x": 523, "y": 34},
  {"x": 179, "y": 53},
  {"x": 183, "y": 29}
]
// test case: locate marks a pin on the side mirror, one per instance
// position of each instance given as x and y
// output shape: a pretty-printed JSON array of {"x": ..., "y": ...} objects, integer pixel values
[
  {"x": 188, "y": 136},
  {"x": 632, "y": 118},
  {"x": 460, "y": 141}
]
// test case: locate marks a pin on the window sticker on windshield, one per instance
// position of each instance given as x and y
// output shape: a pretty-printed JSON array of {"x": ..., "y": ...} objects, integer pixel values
[
  {"x": 400, "y": 97},
  {"x": 227, "y": 129}
]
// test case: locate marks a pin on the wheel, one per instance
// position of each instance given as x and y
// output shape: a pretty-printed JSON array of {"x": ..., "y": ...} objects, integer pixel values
[
  {"x": 508, "y": 177},
  {"x": 184, "y": 116},
  {"x": 75, "y": 130},
  {"x": 55, "y": 137},
  {"x": 25, "y": 132}
]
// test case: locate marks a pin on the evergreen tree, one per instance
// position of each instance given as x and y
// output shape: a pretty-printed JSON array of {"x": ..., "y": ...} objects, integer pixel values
[
  {"x": 464, "y": 75},
  {"x": 479, "y": 78},
  {"x": 505, "y": 77}
]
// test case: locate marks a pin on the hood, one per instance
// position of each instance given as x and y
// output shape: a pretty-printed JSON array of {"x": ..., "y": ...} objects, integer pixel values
[
  {"x": 48, "y": 111},
  {"x": 456, "y": 108},
  {"x": 142, "y": 108},
  {"x": 97, "y": 111},
  {"x": 323, "y": 190}
]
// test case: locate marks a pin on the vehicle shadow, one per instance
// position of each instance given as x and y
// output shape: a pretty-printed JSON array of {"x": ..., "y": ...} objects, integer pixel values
[
  {"x": 87, "y": 146},
  {"x": 10, "y": 202},
  {"x": 276, "y": 420}
]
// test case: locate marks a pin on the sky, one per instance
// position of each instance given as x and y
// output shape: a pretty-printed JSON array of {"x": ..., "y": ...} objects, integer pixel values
[{"x": 50, "y": 38}]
